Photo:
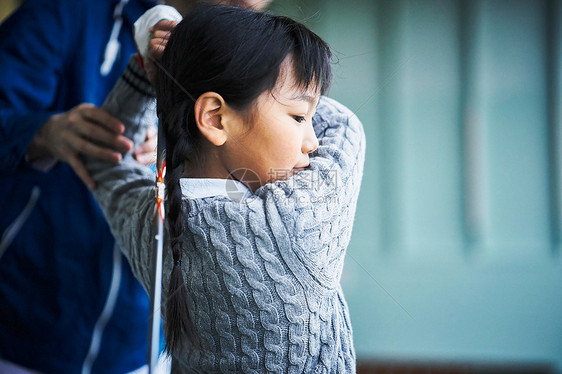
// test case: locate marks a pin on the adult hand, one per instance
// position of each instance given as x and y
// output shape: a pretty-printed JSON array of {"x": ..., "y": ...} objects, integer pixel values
[
  {"x": 83, "y": 130},
  {"x": 146, "y": 152},
  {"x": 160, "y": 34}
]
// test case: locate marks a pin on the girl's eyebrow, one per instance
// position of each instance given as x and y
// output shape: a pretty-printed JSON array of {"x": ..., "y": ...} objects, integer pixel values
[{"x": 304, "y": 97}]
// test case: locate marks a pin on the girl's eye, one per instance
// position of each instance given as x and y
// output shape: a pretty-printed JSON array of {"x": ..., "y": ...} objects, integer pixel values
[{"x": 299, "y": 119}]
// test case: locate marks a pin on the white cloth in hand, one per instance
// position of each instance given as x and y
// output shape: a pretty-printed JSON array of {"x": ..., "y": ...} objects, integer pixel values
[{"x": 150, "y": 18}]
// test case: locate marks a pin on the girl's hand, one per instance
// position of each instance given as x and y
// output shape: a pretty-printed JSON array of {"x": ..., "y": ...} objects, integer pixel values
[{"x": 160, "y": 33}]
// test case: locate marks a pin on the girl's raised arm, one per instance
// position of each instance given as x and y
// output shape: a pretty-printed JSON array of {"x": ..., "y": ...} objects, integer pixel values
[
  {"x": 311, "y": 214},
  {"x": 126, "y": 191}
]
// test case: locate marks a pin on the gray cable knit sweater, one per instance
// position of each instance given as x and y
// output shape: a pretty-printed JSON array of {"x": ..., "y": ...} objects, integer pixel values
[{"x": 262, "y": 274}]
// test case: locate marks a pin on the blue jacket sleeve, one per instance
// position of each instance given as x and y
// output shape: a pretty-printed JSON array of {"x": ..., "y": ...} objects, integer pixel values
[{"x": 34, "y": 43}]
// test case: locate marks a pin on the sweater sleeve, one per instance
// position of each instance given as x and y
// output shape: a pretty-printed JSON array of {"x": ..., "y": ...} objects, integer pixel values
[
  {"x": 311, "y": 214},
  {"x": 126, "y": 192}
]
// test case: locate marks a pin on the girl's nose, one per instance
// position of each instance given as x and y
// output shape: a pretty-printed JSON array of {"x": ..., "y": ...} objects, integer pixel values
[{"x": 310, "y": 141}]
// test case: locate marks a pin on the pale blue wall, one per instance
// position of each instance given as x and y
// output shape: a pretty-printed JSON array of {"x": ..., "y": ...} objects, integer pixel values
[{"x": 456, "y": 249}]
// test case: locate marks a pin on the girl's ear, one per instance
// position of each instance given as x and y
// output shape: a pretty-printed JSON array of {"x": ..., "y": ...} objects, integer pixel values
[{"x": 209, "y": 109}]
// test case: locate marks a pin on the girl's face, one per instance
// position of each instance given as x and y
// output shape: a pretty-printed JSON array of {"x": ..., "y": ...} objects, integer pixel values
[{"x": 277, "y": 142}]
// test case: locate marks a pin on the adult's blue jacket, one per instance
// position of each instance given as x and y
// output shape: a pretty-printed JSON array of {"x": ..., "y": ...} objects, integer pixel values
[{"x": 68, "y": 300}]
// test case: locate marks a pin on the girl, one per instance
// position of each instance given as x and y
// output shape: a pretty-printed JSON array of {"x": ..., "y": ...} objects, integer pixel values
[{"x": 262, "y": 181}]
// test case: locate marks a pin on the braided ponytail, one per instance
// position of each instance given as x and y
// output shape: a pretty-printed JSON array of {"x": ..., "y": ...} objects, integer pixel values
[{"x": 180, "y": 146}]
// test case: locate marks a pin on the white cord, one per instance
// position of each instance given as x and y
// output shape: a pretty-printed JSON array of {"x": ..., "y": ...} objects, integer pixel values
[{"x": 113, "y": 46}]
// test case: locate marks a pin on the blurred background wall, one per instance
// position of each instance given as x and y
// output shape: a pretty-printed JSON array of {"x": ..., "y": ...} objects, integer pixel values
[{"x": 456, "y": 249}]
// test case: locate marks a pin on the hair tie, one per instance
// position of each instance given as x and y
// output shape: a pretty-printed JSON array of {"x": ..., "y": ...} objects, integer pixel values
[{"x": 177, "y": 263}]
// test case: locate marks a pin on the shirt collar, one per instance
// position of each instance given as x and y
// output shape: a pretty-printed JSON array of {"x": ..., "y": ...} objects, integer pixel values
[{"x": 195, "y": 188}]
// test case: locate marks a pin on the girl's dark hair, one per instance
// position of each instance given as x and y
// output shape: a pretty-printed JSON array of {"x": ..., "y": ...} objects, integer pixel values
[{"x": 236, "y": 53}]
